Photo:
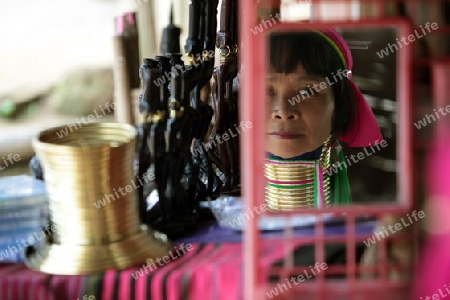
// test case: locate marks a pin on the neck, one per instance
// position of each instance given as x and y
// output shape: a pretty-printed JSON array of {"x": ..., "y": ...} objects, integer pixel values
[
  {"x": 301, "y": 180},
  {"x": 312, "y": 155}
]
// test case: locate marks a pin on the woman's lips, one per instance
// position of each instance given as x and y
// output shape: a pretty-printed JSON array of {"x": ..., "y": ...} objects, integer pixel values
[{"x": 285, "y": 135}]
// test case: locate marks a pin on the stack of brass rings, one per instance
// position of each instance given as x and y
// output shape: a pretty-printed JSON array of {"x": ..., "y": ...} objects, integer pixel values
[
  {"x": 92, "y": 202},
  {"x": 294, "y": 184}
]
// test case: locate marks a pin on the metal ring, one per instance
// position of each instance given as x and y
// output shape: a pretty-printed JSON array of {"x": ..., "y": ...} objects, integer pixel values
[
  {"x": 226, "y": 54},
  {"x": 205, "y": 56}
]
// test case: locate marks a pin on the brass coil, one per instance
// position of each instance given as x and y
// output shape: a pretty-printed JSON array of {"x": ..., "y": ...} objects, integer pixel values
[
  {"x": 93, "y": 163},
  {"x": 286, "y": 196}
]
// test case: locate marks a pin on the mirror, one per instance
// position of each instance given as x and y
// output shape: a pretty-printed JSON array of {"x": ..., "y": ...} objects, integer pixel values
[{"x": 323, "y": 116}]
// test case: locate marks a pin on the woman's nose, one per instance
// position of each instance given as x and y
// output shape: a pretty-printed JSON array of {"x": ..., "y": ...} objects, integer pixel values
[
  {"x": 285, "y": 114},
  {"x": 282, "y": 110}
]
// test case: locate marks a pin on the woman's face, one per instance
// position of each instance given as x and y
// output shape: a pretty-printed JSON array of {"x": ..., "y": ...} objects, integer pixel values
[{"x": 299, "y": 113}]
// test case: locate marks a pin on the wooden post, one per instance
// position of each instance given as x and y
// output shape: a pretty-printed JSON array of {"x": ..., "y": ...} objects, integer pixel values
[
  {"x": 147, "y": 28},
  {"x": 123, "y": 112}
]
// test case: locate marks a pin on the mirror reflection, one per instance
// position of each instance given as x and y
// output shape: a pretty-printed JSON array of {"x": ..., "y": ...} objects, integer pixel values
[{"x": 327, "y": 134}]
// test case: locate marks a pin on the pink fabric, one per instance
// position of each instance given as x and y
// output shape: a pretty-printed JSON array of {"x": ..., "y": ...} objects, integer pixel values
[
  {"x": 108, "y": 284},
  {"x": 182, "y": 275},
  {"x": 120, "y": 25},
  {"x": 130, "y": 18},
  {"x": 125, "y": 285},
  {"x": 202, "y": 282},
  {"x": 17, "y": 282},
  {"x": 433, "y": 273},
  {"x": 208, "y": 271},
  {"x": 439, "y": 166},
  {"x": 174, "y": 288},
  {"x": 224, "y": 282},
  {"x": 365, "y": 130}
]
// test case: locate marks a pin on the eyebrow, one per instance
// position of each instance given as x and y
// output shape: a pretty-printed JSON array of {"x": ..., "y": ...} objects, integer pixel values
[
  {"x": 305, "y": 78},
  {"x": 271, "y": 78}
]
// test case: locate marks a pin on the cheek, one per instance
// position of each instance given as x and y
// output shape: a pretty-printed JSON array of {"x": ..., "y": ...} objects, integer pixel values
[
  {"x": 329, "y": 116},
  {"x": 268, "y": 116},
  {"x": 320, "y": 119}
]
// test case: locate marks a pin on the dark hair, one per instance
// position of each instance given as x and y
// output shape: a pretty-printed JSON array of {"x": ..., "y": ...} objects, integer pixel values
[{"x": 312, "y": 51}]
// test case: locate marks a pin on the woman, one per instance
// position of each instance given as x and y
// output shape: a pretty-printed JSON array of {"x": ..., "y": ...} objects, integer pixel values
[{"x": 312, "y": 106}]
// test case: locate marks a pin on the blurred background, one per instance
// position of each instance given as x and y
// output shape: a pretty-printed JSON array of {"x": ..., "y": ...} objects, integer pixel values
[
  {"x": 57, "y": 60},
  {"x": 57, "y": 63}
]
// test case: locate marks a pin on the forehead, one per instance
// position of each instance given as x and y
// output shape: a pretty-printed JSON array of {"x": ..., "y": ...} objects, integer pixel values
[{"x": 298, "y": 76}]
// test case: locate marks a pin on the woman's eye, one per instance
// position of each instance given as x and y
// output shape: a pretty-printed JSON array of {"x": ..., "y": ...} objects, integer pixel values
[
  {"x": 270, "y": 92},
  {"x": 303, "y": 92},
  {"x": 306, "y": 92}
]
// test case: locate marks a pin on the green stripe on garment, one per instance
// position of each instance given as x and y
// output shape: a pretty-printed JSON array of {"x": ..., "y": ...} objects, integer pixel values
[
  {"x": 335, "y": 47},
  {"x": 343, "y": 185},
  {"x": 291, "y": 187},
  {"x": 316, "y": 184}
]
